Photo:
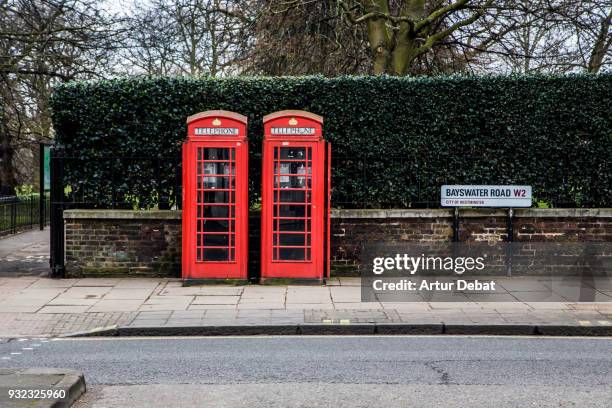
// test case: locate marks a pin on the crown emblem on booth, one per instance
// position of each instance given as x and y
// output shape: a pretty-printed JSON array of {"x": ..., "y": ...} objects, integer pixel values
[
  {"x": 293, "y": 121},
  {"x": 216, "y": 122}
]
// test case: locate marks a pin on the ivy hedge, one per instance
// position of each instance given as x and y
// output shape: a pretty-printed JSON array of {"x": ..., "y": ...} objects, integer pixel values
[{"x": 395, "y": 140}]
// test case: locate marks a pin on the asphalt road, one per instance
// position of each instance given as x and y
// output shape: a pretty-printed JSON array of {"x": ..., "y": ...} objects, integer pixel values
[{"x": 331, "y": 371}]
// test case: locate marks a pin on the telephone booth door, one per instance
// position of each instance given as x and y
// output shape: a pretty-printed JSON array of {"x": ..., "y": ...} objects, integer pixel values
[
  {"x": 215, "y": 197},
  {"x": 295, "y": 197}
]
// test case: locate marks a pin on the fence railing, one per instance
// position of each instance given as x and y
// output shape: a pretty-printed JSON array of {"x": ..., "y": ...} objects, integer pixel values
[
  {"x": 18, "y": 213},
  {"x": 123, "y": 182}
]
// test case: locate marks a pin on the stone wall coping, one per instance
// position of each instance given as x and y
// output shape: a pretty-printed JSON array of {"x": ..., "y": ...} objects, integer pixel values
[
  {"x": 475, "y": 213},
  {"x": 122, "y": 214},
  {"x": 372, "y": 214}
]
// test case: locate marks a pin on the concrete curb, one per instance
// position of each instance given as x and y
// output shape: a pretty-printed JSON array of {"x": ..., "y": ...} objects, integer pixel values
[
  {"x": 564, "y": 330},
  {"x": 98, "y": 331},
  {"x": 491, "y": 329},
  {"x": 350, "y": 329},
  {"x": 72, "y": 381}
]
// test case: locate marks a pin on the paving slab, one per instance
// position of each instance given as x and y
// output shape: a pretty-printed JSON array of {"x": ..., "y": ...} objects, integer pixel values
[
  {"x": 345, "y": 293},
  {"x": 215, "y": 290},
  {"x": 86, "y": 292},
  {"x": 45, "y": 293},
  {"x": 64, "y": 309},
  {"x": 128, "y": 293},
  {"x": 162, "y": 306},
  {"x": 63, "y": 301},
  {"x": 53, "y": 283},
  {"x": 116, "y": 305},
  {"x": 303, "y": 306},
  {"x": 211, "y": 307},
  {"x": 4, "y": 308},
  {"x": 216, "y": 300},
  {"x": 260, "y": 306},
  {"x": 97, "y": 282},
  {"x": 188, "y": 314},
  {"x": 254, "y": 293},
  {"x": 169, "y": 299},
  {"x": 263, "y": 299}
]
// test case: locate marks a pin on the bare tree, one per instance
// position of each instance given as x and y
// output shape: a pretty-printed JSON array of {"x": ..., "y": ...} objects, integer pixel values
[
  {"x": 306, "y": 37},
  {"x": 402, "y": 37},
  {"x": 150, "y": 48},
  {"x": 592, "y": 22},
  {"x": 539, "y": 36},
  {"x": 399, "y": 31},
  {"x": 188, "y": 37},
  {"x": 335, "y": 37},
  {"x": 42, "y": 42}
]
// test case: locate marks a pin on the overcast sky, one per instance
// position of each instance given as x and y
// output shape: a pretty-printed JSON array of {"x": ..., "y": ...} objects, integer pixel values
[{"x": 122, "y": 6}]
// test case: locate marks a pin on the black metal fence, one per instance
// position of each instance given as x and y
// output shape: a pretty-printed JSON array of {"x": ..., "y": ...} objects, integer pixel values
[
  {"x": 18, "y": 213},
  {"x": 156, "y": 182},
  {"x": 108, "y": 183},
  {"x": 413, "y": 182}
]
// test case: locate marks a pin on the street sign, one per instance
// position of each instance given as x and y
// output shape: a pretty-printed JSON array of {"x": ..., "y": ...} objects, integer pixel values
[{"x": 485, "y": 196}]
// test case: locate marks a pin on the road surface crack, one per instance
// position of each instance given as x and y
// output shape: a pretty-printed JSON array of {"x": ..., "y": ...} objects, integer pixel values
[{"x": 444, "y": 375}]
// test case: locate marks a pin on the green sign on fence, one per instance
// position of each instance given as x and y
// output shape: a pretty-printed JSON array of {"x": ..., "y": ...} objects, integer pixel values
[{"x": 47, "y": 168}]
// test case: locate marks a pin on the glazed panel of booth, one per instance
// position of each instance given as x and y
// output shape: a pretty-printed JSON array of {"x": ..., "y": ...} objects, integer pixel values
[
  {"x": 292, "y": 204},
  {"x": 216, "y": 204},
  {"x": 215, "y": 210},
  {"x": 293, "y": 209}
]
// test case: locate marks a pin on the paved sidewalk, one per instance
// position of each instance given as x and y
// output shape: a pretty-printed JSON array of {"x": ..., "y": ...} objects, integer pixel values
[
  {"x": 42, "y": 307},
  {"x": 25, "y": 253}
]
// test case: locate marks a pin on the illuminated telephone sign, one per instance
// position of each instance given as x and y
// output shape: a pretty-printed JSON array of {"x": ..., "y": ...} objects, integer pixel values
[
  {"x": 295, "y": 213},
  {"x": 215, "y": 197}
]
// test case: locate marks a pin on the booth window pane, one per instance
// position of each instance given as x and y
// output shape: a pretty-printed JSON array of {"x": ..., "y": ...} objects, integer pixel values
[
  {"x": 293, "y": 196},
  {"x": 216, "y": 197},
  {"x": 218, "y": 168},
  {"x": 217, "y": 182},
  {"x": 215, "y": 240},
  {"x": 215, "y": 225},
  {"x": 292, "y": 184},
  {"x": 290, "y": 239},
  {"x": 219, "y": 153},
  {"x": 216, "y": 254},
  {"x": 216, "y": 209},
  {"x": 292, "y": 254},
  {"x": 292, "y": 153},
  {"x": 293, "y": 211},
  {"x": 291, "y": 225}
]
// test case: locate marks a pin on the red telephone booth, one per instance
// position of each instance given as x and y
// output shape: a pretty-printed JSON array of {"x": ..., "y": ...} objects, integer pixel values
[
  {"x": 215, "y": 196},
  {"x": 295, "y": 197}
]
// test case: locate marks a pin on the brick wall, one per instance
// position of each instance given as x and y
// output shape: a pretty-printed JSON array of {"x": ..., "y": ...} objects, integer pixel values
[
  {"x": 102, "y": 242},
  {"x": 351, "y": 228},
  {"x": 119, "y": 242}
]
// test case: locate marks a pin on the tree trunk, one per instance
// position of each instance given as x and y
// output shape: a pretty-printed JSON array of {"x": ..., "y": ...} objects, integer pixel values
[
  {"x": 404, "y": 52},
  {"x": 8, "y": 182},
  {"x": 403, "y": 56},
  {"x": 601, "y": 46},
  {"x": 379, "y": 36}
]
